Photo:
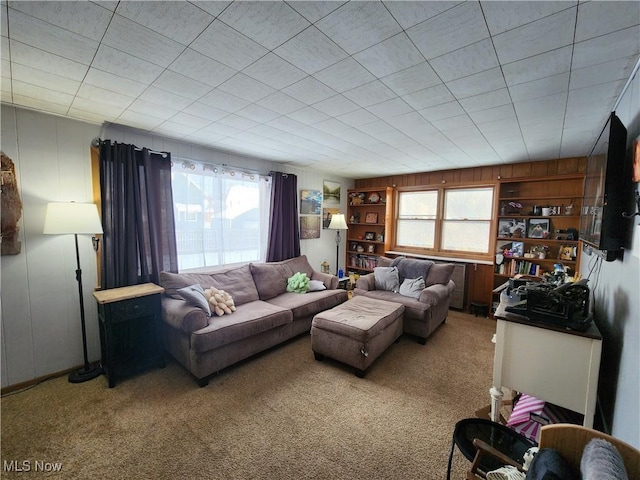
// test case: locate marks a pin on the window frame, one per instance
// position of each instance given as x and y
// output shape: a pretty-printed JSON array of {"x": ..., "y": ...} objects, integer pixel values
[{"x": 438, "y": 249}]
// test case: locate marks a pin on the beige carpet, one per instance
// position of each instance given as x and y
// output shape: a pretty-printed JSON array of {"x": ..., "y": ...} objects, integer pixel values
[{"x": 281, "y": 415}]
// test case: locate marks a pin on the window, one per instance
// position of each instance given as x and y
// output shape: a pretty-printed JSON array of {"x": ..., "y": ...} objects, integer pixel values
[
  {"x": 221, "y": 215},
  {"x": 463, "y": 226},
  {"x": 466, "y": 225}
]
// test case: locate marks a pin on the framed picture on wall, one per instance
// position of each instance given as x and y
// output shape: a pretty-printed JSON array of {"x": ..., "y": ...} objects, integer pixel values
[
  {"x": 309, "y": 227},
  {"x": 310, "y": 202},
  {"x": 331, "y": 192}
]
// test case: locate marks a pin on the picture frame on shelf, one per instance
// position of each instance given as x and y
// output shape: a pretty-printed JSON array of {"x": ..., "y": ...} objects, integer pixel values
[
  {"x": 369, "y": 236},
  {"x": 538, "y": 228},
  {"x": 511, "y": 227},
  {"x": 371, "y": 217}
]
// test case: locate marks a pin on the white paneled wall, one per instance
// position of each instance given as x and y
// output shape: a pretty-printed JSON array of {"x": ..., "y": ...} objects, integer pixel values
[{"x": 39, "y": 306}]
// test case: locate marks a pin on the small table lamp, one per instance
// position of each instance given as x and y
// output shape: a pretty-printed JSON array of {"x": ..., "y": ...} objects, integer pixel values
[
  {"x": 77, "y": 219},
  {"x": 338, "y": 223}
]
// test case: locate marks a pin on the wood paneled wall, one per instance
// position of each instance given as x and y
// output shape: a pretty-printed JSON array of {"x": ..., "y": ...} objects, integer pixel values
[{"x": 468, "y": 176}]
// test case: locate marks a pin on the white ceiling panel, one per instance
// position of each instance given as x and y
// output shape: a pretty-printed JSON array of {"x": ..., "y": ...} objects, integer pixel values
[{"x": 357, "y": 88}]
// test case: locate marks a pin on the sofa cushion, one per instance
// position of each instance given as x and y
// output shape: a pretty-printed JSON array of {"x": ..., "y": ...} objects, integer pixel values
[
  {"x": 310, "y": 303},
  {"x": 413, "y": 308},
  {"x": 412, "y": 267},
  {"x": 194, "y": 295},
  {"x": 316, "y": 286},
  {"x": 172, "y": 282},
  {"x": 385, "y": 261},
  {"x": 439, "y": 273},
  {"x": 271, "y": 277},
  {"x": 386, "y": 278},
  {"x": 601, "y": 459},
  {"x": 181, "y": 316},
  {"x": 411, "y": 287},
  {"x": 249, "y": 319}
]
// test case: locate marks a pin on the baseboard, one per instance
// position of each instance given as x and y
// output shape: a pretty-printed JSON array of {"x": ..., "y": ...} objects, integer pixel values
[{"x": 35, "y": 381}]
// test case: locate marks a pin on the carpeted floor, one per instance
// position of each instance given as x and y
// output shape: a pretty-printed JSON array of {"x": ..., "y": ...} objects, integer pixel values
[{"x": 281, "y": 415}]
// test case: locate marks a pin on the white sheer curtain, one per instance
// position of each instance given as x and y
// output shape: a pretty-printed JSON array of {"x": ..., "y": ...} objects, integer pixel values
[{"x": 221, "y": 214}]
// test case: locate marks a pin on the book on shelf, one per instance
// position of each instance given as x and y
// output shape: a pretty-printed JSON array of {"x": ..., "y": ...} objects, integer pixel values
[{"x": 363, "y": 261}]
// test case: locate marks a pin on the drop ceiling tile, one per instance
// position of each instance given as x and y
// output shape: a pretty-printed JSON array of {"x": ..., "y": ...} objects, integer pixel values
[
  {"x": 91, "y": 116},
  {"x": 205, "y": 111},
  {"x": 238, "y": 122},
  {"x": 286, "y": 124},
  {"x": 539, "y": 110},
  {"x": 114, "y": 83},
  {"x": 47, "y": 105},
  {"x": 97, "y": 107},
  {"x": 602, "y": 73},
  {"x": 336, "y": 105},
  {"x": 265, "y": 131},
  {"x": 455, "y": 28},
  {"x": 599, "y": 18},
  {"x": 538, "y": 37},
  {"x": 344, "y": 75},
  {"x": 141, "y": 42},
  {"x": 311, "y": 51},
  {"x": 123, "y": 65},
  {"x": 308, "y": 115},
  {"x": 602, "y": 49},
  {"x": 315, "y": 10},
  {"x": 257, "y": 113},
  {"x": 540, "y": 88},
  {"x": 309, "y": 90},
  {"x": 107, "y": 97},
  {"x": 179, "y": 21},
  {"x": 152, "y": 109},
  {"x": 180, "y": 85},
  {"x": 246, "y": 87},
  {"x": 224, "y": 101},
  {"x": 212, "y": 8},
  {"x": 439, "y": 112},
  {"x": 374, "y": 128},
  {"x": 189, "y": 120},
  {"x": 268, "y": 23},
  {"x": 139, "y": 120},
  {"x": 505, "y": 127},
  {"x": 4, "y": 23},
  {"x": 52, "y": 39},
  {"x": 484, "y": 101},
  {"x": 201, "y": 68},
  {"x": 429, "y": 97},
  {"x": 39, "y": 93},
  {"x": 504, "y": 112},
  {"x": 350, "y": 25},
  {"x": 597, "y": 98},
  {"x": 220, "y": 129},
  {"x": 83, "y": 18},
  {"x": 170, "y": 128},
  {"x": 411, "y": 123},
  {"x": 503, "y": 16},
  {"x": 228, "y": 46},
  {"x": 357, "y": 118},
  {"x": 474, "y": 58},
  {"x": 537, "y": 67},
  {"x": 281, "y": 103},
  {"x": 409, "y": 14},
  {"x": 390, "y": 108},
  {"x": 390, "y": 56},
  {"x": 412, "y": 79},
  {"x": 44, "y": 79},
  {"x": 274, "y": 71},
  {"x": 370, "y": 93},
  {"x": 478, "y": 83},
  {"x": 165, "y": 99}
]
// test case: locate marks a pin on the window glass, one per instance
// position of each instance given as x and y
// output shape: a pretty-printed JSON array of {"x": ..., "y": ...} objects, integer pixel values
[
  {"x": 221, "y": 216},
  {"x": 416, "y": 219},
  {"x": 467, "y": 219}
]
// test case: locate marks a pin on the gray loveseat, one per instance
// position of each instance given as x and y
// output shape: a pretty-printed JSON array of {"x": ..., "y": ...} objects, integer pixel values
[
  {"x": 266, "y": 314},
  {"x": 429, "y": 307}
]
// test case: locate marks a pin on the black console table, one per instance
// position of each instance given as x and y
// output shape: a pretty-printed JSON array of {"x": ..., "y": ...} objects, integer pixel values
[{"x": 129, "y": 330}]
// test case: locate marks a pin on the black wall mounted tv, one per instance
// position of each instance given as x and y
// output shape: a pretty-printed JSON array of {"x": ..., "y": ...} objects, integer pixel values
[{"x": 606, "y": 186}]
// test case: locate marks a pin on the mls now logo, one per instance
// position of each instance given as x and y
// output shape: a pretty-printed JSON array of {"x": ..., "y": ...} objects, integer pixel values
[{"x": 28, "y": 466}]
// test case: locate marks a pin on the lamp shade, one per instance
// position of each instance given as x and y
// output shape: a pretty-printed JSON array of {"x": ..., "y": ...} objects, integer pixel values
[
  {"x": 71, "y": 217},
  {"x": 338, "y": 222}
]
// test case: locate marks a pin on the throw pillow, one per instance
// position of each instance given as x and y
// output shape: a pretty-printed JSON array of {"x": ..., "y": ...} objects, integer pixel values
[
  {"x": 386, "y": 278},
  {"x": 194, "y": 295},
  {"x": 601, "y": 459},
  {"x": 316, "y": 286},
  {"x": 411, "y": 287},
  {"x": 298, "y": 283},
  {"x": 439, "y": 273}
]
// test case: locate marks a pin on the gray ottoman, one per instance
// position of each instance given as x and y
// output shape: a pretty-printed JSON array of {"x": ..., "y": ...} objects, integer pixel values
[{"x": 356, "y": 332}]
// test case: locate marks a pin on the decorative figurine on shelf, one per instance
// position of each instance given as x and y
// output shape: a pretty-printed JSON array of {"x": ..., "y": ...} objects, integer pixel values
[
  {"x": 357, "y": 198},
  {"x": 324, "y": 267}
]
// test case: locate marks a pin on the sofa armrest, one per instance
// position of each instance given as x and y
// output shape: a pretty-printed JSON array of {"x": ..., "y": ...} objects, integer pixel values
[
  {"x": 435, "y": 293},
  {"x": 182, "y": 316},
  {"x": 366, "y": 282},
  {"x": 330, "y": 281}
]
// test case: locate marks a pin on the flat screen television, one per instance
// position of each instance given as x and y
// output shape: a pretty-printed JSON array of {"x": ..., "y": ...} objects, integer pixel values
[{"x": 602, "y": 225}]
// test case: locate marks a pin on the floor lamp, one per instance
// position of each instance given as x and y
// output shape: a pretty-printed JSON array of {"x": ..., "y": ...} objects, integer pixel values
[
  {"x": 338, "y": 223},
  {"x": 77, "y": 219}
]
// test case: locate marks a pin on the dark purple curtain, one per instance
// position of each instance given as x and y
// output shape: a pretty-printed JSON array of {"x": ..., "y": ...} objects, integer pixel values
[
  {"x": 284, "y": 232},
  {"x": 137, "y": 215}
]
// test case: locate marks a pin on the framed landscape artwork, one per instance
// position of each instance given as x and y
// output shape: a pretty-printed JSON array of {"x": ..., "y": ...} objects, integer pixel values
[
  {"x": 309, "y": 227},
  {"x": 310, "y": 202},
  {"x": 331, "y": 192}
]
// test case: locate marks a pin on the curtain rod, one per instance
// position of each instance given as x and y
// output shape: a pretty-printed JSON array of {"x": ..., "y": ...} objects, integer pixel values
[
  {"x": 97, "y": 141},
  {"x": 222, "y": 165}
]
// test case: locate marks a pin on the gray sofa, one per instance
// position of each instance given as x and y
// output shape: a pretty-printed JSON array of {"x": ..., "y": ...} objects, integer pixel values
[
  {"x": 266, "y": 314},
  {"x": 423, "y": 314}
]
